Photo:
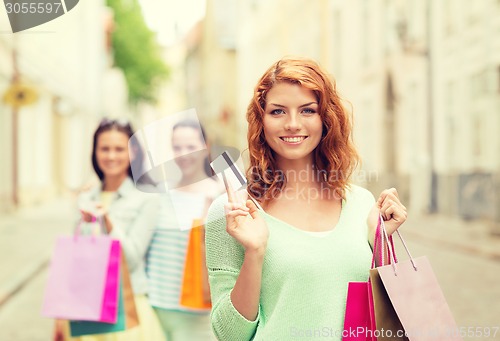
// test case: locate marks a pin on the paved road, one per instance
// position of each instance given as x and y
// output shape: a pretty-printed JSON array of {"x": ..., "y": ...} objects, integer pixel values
[
  {"x": 470, "y": 284},
  {"x": 20, "y": 318}
]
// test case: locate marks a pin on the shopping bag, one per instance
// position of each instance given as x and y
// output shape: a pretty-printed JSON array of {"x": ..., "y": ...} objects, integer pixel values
[
  {"x": 127, "y": 314},
  {"x": 409, "y": 294},
  {"x": 110, "y": 302},
  {"x": 80, "y": 328},
  {"x": 192, "y": 291},
  {"x": 359, "y": 318},
  {"x": 130, "y": 310},
  {"x": 359, "y": 322},
  {"x": 82, "y": 279},
  {"x": 386, "y": 319}
]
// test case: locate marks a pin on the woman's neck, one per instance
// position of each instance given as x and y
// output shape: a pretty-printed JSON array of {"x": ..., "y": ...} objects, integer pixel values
[
  {"x": 300, "y": 174},
  {"x": 112, "y": 183}
]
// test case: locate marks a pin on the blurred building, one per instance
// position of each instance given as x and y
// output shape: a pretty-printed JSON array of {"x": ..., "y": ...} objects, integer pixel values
[
  {"x": 211, "y": 71},
  {"x": 45, "y": 146},
  {"x": 428, "y": 82},
  {"x": 421, "y": 77}
]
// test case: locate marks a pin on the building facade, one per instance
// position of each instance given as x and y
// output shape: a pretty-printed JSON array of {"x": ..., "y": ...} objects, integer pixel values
[
  {"x": 46, "y": 145},
  {"x": 422, "y": 79}
]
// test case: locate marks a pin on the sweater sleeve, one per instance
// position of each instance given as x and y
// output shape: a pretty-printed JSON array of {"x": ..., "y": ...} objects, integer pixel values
[{"x": 224, "y": 260}]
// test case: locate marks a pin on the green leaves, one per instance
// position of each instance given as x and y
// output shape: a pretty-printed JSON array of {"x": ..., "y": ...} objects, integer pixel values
[{"x": 136, "y": 52}]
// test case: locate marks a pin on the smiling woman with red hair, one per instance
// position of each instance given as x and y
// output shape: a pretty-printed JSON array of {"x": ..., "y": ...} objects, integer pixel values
[
  {"x": 282, "y": 272},
  {"x": 335, "y": 153}
]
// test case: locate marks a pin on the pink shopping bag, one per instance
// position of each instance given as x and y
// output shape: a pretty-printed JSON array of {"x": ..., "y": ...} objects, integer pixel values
[
  {"x": 412, "y": 300},
  {"x": 83, "y": 279},
  {"x": 110, "y": 303},
  {"x": 359, "y": 318}
]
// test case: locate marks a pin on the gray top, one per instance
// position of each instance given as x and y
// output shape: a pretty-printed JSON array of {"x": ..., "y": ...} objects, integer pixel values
[{"x": 133, "y": 215}]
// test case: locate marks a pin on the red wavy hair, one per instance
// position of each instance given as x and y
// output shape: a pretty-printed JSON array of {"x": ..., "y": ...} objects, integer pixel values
[{"x": 335, "y": 156}]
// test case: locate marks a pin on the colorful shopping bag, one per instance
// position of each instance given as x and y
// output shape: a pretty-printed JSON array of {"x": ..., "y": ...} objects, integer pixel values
[
  {"x": 359, "y": 318},
  {"x": 411, "y": 300},
  {"x": 192, "y": 292},
  {"x": 127, "y": 313},
  {"x": 359, "y": 321},
  {"x": 83, "y": 281}
]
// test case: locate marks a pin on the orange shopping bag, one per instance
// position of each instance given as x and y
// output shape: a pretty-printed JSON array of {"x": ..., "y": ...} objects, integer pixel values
[{"x": 195, "y": 293}]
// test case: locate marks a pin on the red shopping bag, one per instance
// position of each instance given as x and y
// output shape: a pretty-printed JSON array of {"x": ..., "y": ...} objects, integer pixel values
[{"x": 83, "y": 279}]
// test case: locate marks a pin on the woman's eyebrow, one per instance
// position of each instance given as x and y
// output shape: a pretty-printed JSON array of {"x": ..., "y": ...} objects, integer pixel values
[
  {"x": 307, "y": 104},
  {"x": 283, "y": 106}
]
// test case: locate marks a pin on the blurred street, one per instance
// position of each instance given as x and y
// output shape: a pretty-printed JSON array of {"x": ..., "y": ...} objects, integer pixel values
[
  {"x": 26, "y": 242},
  {"x": 420, "y": 78},
  {"x": 465, "y": 260}
]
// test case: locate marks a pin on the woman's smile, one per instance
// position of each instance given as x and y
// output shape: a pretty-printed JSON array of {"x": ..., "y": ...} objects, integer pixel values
[{"x": 293, "y": 140}]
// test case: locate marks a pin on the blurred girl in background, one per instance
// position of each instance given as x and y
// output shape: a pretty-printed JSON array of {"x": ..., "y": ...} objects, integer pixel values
[
  {"x": 128, "y": 215},
  {"x": 166, "y": 262}
]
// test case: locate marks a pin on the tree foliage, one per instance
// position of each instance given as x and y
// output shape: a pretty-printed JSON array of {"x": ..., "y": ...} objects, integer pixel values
[{"x": 136, "y": 51}]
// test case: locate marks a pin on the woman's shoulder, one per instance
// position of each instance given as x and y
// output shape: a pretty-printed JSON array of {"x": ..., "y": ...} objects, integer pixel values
[{"x": 359, "y": 193}]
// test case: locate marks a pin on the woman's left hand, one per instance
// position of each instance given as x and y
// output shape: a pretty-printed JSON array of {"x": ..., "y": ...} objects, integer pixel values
[{"x": 392, "y": 210}]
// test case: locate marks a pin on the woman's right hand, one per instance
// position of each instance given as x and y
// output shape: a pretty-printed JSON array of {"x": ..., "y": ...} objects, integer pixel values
[
  {"x": 89, "y": 214},
  {"x": 246, "y": 225}
]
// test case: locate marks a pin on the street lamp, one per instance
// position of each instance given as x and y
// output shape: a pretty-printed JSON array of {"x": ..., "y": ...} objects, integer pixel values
[{"x": 17, "y": 95}]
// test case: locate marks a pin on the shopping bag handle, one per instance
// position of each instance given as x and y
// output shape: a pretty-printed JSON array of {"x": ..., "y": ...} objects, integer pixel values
[
  {"x": 392, "y": 252},
  {"x": 78, "y": 229},
  {"x": 378, "y": 244}
]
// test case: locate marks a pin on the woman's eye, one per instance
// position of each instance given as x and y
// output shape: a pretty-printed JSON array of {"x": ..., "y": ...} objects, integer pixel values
[
  {"x": 277, "y": 112},
  {"x": 308, "y": 111}
]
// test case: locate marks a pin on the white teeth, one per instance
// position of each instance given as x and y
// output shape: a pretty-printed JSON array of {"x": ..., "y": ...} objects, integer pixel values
[{"x": 293, "y": 139}]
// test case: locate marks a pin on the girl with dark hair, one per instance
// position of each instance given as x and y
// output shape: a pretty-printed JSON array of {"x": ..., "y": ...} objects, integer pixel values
[
  {"x": 182, "y": 208},
  {"x": 282, "y": 272},
  {"x": 128, "y": 215}
]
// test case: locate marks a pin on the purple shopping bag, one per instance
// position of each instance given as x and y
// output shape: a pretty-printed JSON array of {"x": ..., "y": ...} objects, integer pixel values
[{"x": 83, "y": 279}]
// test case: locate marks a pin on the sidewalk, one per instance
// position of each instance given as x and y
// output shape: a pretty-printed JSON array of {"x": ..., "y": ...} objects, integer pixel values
[
  {"x": 26, "y": 242},
  {"x": 473, "y": 237}
]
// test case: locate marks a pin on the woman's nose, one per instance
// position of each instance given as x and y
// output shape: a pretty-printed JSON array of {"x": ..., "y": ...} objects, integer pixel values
[
  {"x": 111, "y": 155},
  {"x": 293, "y": 122}
]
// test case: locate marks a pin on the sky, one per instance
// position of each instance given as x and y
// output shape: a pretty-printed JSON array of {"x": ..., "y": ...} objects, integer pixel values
[{"x": 172, "y": 19}]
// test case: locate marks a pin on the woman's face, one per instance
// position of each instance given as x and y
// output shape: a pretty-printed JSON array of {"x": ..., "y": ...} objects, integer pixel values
[
  {"x": 185, "y": 142},
  {"x": 292, "y": 124},
  {"x": 112, "y": 153}
]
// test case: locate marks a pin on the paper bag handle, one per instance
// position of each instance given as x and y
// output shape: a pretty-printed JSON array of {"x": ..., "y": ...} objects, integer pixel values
[{"x": 392, "y": 252}]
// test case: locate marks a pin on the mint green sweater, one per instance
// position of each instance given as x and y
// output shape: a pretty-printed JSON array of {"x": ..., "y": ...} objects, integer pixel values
[{"x": 304, "y": 277}]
